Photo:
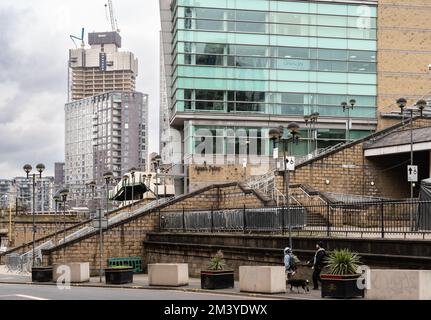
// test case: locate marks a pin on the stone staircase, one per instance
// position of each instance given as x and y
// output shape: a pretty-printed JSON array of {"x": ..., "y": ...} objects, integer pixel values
[{"x": 83, "y": 228}]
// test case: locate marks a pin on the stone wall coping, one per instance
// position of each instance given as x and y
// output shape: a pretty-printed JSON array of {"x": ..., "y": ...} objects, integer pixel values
[
  {"x": 276, "y": 251},
  {"x": 256, "y": 236}
]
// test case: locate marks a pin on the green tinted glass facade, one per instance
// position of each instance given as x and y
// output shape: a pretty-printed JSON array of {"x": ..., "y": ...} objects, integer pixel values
[{"x": 281, "y": 58}]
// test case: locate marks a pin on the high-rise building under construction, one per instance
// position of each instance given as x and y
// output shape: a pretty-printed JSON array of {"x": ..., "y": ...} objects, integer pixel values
[{"x": 101, "y": 68}]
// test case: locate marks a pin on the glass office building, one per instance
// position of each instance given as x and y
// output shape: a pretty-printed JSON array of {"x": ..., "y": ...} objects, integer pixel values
[{"x": 241, "y": 67}]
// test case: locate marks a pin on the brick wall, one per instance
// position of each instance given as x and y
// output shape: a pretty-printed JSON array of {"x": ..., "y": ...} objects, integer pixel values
[
  {"x": 126, "y": 239},
  {"x": 252, "y": 250},
  {"x": 201, "y": 176},
  {"x": 349, "y": 172},
  {"x": 404, "y": 43},
  {"x": 22, "y": 226}
]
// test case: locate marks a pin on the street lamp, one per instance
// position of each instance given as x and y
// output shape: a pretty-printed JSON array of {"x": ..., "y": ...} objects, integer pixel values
[
  {"x": 348, "y": 106},
  {"x": 421, "y": 105},
  {"x": 125, "y": 184},
  {"x": 149, "y": 182},
  {"x": 132, "y": 173},
  {"x": 108, "y": 176},
  {"x": 163, "y": 171},
  {"x": 156, "y": 161},
  {"x": 311, "y": 120},
  {"x": 63, "y": 194},
  {"x": 276, "y": 134},
  {"x": 40, "y": 168},
  {"x": 56, "y": 199},
  {"x": 92, "y": 185}
]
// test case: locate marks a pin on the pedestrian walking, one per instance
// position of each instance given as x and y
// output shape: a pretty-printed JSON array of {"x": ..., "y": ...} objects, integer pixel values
[
  {"x": 289, "y": 263},
  {"x": 318, "y": 264}
]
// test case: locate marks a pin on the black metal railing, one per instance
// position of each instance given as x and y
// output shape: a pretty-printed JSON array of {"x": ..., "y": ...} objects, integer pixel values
[{"x": 384, "y": 218}]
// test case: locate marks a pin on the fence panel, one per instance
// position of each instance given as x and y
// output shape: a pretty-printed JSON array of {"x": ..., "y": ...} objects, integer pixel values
[{"x": 377, "y": 218}]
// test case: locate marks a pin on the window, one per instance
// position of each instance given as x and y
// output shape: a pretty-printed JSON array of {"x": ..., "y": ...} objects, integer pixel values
[
  {"x": 209, "y": 60},
  {"x": 293, "y": 98},
  {"x": 250, "y": 27},
  {"x": 209, "y": 95},
  {"x": 294, "y": 53},
  {"x": 332, "y": 54},
  {"x": 332, "y": 66},
  {"x": 362, "y": 56},
  {"x": 362, "y": 67},
  {"x": 209, "y": 48},
  {"x": 249, "y": 62},
  {"x": 205, "y": 13},
  {"x": 248, "y": 50},
  {"x": 250, "y": 16},
  {"x": 209, "y": 25},
  {"x": 250, "y": 96}
]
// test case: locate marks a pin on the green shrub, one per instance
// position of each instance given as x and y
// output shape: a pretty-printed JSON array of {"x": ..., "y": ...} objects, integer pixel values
[
  {"x": 342, "y": 262},
  {"x": 217, "y": 262}
]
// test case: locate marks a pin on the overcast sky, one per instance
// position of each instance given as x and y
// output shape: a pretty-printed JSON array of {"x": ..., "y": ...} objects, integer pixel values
[{"x": 34, "y": 43}]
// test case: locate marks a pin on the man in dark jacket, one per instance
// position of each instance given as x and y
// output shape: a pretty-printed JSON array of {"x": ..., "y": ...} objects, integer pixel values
[{"x": 318, "y": 264}]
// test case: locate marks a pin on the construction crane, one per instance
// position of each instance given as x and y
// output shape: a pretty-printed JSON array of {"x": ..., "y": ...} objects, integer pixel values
[
  {"x": 81, "y": 39},
  {"x": 112, "y": 19}
]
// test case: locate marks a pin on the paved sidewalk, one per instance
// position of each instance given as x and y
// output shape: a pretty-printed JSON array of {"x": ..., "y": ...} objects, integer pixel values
[{"x": 140, "y": 281}]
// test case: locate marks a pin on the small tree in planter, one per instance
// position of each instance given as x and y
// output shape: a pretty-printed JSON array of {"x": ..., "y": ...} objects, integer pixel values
[
  {"x": 216, "y": 276},
  {"x": 341, "y": 281},
  {"x": 119, "y": 275}
]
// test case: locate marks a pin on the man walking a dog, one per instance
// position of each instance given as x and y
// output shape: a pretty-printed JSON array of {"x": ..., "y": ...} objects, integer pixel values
[{"x": 318, "y": 264}]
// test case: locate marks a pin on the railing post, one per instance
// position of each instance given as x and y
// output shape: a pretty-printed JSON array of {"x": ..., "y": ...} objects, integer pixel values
[
  {"x": 184, "y": 221},
  {"x": 212, "y": 220},
  {"x": 382, "y": 217},
  {"x": 283, "y": 225},
  {"x": 328, "y": 224},
  {"x": 244, "y": 220}
]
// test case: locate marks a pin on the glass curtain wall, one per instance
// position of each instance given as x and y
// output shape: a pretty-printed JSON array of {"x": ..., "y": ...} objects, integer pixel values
[{"x": 274, "y": 58}]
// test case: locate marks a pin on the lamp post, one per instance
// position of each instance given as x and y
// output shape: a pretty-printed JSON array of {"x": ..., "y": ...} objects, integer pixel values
[
  {"x": 421, "y": 105},
  {"x": 108, "y": 176},
  {"x": 63, "y": 194},
  {"x": 92, "y": 186},
  {"x": 310, "y": 122},
  {"x": 277, "y": 135},
  {"x": 40, "y": 168},
  {"x": 56, "y": 199},
  {"x": 156, "y": 162},
  {"x": 132, "y": 173},
  {"x": 347, "y": 107},
  {"x": 149, "y": 182},
  {"x": 125, "y": 184},
  {"x": 164, "y": 181}
]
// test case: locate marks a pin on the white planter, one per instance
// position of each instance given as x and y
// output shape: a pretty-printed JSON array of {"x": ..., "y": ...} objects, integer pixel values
[
  {"x": 262, "y": 279},
  {"x": 168, "y": 274},
  {"x": 400, "y": 285},
  {"x": 79, "y": 271}
]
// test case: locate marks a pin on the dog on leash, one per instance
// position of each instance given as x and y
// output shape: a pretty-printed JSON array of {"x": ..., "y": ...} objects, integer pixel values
[{"x": 298, "y": 283}]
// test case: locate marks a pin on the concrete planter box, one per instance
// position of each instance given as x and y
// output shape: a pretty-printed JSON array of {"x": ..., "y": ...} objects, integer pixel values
[
  {"x": 168, "y": 274},
  {"x": 79, "y": 271},
  {"x": 400, "y": 285},
  {"x": 262, "y": 279}
]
